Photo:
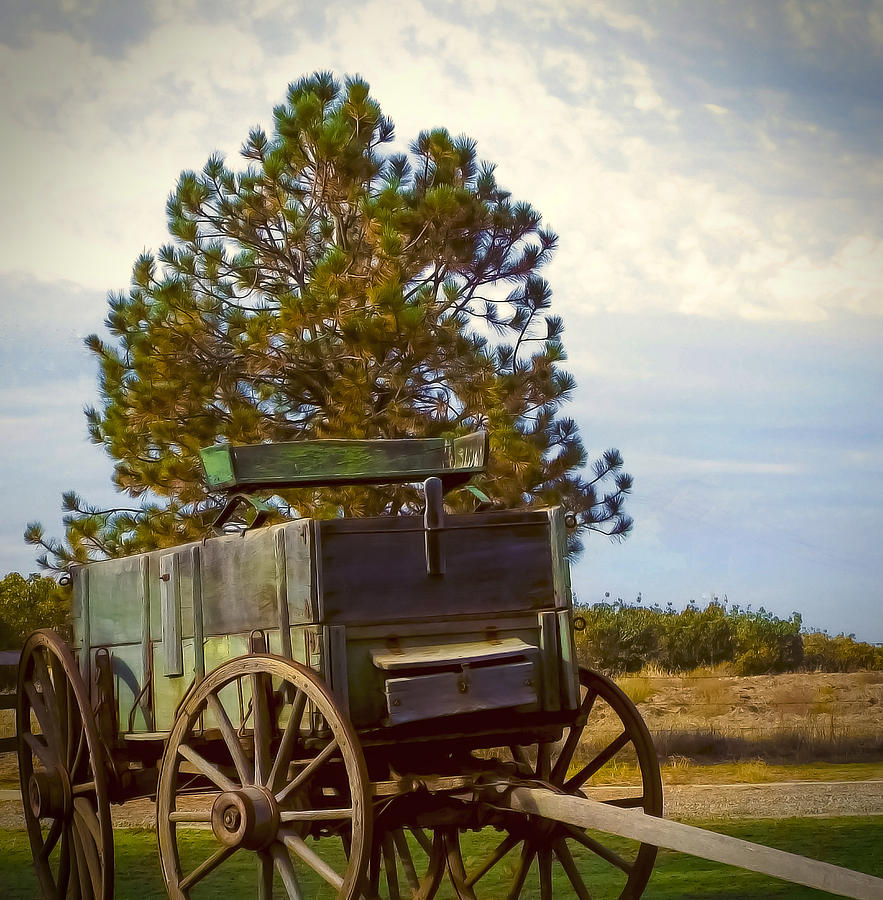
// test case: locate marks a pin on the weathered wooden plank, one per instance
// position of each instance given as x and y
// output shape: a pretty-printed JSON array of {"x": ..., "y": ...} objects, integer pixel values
[
  {"x": 312, "y": 463},
  {"x": 378, "y": 573},
  {"x": 634, "y": 824},
  {"x": 335, "y": 664},
  {"x": 457, "y": 653},
  {"x": 366, "y": 679},
  {"x": 567, "y": 659},
  {"x": 170, "y": 598},
  {"x": 452, "y": 693},
  {"x": 551, "y": 693}
]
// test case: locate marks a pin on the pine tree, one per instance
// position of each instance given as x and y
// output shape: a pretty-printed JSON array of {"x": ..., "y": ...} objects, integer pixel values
[{"x": 335, "y": 289}]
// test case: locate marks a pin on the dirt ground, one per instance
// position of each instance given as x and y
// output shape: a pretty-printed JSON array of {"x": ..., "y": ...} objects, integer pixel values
[
  {"x": 682, "y": 801},
  {"x": 842, "y": 702}
]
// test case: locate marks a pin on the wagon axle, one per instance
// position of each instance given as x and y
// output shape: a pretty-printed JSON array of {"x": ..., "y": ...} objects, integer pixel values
[
  {"x": 247, "y": 818},
  {"x": 49, "y": 794}
]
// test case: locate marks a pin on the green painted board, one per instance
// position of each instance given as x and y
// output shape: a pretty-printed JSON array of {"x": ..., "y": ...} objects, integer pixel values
[{"x": 313, "y": 463}]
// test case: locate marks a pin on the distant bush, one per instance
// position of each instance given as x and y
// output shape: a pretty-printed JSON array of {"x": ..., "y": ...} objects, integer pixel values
[
  {"x": 842, "y": 653},
  {"x": 621, "y": 638},
  {"x": 27, "y": 604}
]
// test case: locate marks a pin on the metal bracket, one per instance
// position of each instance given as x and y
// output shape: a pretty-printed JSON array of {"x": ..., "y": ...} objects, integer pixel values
[{"x": 261, "y": 508}]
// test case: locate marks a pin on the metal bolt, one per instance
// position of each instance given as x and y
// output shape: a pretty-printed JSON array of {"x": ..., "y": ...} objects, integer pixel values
[
  {"x": 396, "y": 702},
  {"x": 232, "y": 818},
  {"x": 528, "y": 682},
  {"x": 463, "y": 685}
]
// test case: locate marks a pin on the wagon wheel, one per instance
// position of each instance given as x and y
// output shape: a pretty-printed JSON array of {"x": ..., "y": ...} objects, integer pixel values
[
  {"x": 261, "y": 753},
  {"x": 530, "y": 846},
  {"x": 407, "y": 862},
  {"x": 62, "y": 769}
]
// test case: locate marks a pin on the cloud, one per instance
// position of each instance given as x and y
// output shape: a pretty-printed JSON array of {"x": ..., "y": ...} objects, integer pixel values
[
  {"x": 654, "y": 213},
  {"x": 715, "y": 179}
]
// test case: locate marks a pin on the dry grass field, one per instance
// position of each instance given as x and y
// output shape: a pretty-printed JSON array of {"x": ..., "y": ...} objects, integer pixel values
[{"x": 785, "y": 719}]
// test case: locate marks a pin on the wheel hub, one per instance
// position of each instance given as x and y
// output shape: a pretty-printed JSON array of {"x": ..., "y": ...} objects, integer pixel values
[
  {"x": 49, "y": 794},
  {"x": 247, "y": 818}
]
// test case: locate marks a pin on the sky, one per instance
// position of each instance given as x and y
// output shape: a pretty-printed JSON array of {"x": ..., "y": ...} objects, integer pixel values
[{"x": 713, "y": 169}]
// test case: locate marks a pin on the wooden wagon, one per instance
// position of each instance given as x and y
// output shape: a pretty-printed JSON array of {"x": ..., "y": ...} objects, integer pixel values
[{"x": 344, "y": 700}]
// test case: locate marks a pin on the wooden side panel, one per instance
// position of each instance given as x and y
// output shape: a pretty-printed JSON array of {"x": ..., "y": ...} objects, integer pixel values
[
  {"x": 374, "y": 570},
  {"x": 299, "y": 571},
  {"x": 551, "y": 693},
  {"x": 79, "y": 604},
  {"x": 116, "y": 589},
  {"x": 168, "y": 692},
  {"x": 450, "y": 693},
  {"x": 568, "y": 660},
  {"x": 239, "y": 579},
  {"x": 127, "y": 666},
  {"x": 560, "y": 565}
]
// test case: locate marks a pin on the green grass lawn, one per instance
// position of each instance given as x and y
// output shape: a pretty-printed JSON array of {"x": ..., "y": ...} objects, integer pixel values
[{"x": 854, "y": 842}]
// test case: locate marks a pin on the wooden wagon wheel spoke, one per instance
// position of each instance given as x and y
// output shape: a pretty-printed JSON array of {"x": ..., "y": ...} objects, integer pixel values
[
  {"x": 83, "y": 887},
  {"x": 402, "y": 868},
  {"x": 389, "y": 866},
  {"x": 191, "y": 815},
  {"x": 261, "y": 728},
  {"x": 562, "y": 851},
  {"x": 39, "y": 748},
  {"x": 62, "y": 689},
  {"x": 231, "y": 739},
  {"x": 86, "y": 815},
  {"x": 63, "y": 774},
  {"x": 211, "y": 771},
  {"x": 45, "y": 719},
  {"x": 308, "y": 771},
  {"x": 205, "y": 867},
  {"x": 628, "y": 802},
  {"x": 330, "y": 814},
  {"x": 52, "y": 837},
  {"x": 374, "y": 866},
  {"x": 299, "y": 847},
  {"x": 565, "y": 758},
  {"x": 598, "y": 763},
  {"x": 87, "y": 787},
  {"x": 265, "y": 876},
  {"x": 528, "y": 851},
  {"x": 599, "y": 849},
  {"x": 544, "y": 859},
  {"x": 79, "y": 750},
  {"x": 422, "y": 839},
  {"x": 282, "y": 861},
  {"x": 400, "y": 844},
  {"x": 286, "y": 745},
  {"x": 546, "y": 842},
  {"x": 499, "y": 852},
  {"x": 260, "y": 806}
]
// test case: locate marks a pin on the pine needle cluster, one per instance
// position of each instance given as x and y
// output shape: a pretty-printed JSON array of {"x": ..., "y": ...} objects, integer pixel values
[{"x": 333, "y": 288}]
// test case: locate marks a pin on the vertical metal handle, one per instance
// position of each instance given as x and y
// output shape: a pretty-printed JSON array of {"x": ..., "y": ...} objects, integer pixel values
[{"x": 433, "y": 524}]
